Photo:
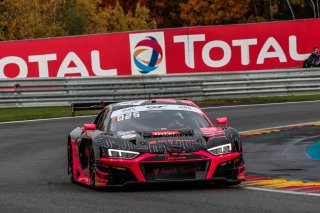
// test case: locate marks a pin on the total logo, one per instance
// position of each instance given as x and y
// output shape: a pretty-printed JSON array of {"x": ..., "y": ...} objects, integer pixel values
[{"x": 147, "y": 51}]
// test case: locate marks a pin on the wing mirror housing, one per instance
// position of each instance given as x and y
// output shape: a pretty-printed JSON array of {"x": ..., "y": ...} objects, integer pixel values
[
  {"x": 222, "y": 121},
  {"x": 89, "y": 127}
]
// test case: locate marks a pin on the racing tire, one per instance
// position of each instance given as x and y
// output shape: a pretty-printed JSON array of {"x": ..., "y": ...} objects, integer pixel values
[
  {"x": 70, "y": 164},
  {"x": 92, "y": 168}
]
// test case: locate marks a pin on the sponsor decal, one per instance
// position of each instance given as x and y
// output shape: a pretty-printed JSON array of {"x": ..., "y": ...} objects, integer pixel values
[
  {"x": 154, "y": 146},
  {"x": 271, "y": 50},
  {"x": 128, "y": 103},
  {"x": 242, "y": 47},
  {"x": 175, "y": 170},
  {"x": 174, "y": 140},
  {"x": 165, "y": 133},
  {"x": 147, "y": 53},
  {"x": 128, "y": 115},
  {"x": 154, "y": 108},
  {"x": 78, "y": 56},
  {"x": 176, "y": 157}
]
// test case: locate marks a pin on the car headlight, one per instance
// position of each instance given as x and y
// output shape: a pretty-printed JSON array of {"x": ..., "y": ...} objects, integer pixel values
[
  {"x": 219, "y": 150},
  {"x": 116, "y": 153}
]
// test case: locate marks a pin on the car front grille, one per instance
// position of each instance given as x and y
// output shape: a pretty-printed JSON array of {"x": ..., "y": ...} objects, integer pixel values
[{"x": 175, "y": 170}]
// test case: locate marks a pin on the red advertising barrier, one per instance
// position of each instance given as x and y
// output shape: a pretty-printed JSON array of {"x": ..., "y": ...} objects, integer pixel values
[{"x": 183, "y": 50}]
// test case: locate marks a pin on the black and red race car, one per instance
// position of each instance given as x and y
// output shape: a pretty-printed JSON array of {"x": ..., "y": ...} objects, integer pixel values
[{"x": 160, "y": 140}]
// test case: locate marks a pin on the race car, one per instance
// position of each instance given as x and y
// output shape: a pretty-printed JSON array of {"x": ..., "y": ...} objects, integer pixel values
[{"x": 154, "y": 141}]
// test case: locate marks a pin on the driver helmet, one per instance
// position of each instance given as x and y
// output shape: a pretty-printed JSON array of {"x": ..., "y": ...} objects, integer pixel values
[{"x": 177, "y": 120}]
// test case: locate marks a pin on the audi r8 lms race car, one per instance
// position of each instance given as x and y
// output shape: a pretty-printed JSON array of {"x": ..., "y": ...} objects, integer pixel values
[{"x": 152, "y": 141}]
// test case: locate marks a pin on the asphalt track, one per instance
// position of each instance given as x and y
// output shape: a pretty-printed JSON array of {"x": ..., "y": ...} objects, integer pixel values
[{"x": 33, "y": 169}]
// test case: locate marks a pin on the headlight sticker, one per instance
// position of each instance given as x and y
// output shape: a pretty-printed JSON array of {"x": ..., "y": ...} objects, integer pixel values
[
  {"x": 115, "y": 153},
  {"x": 219, "y": 150}
]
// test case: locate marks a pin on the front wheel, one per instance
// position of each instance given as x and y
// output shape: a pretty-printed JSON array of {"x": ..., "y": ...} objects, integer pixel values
[
  {"x": 92, "y": 168},
  {"x": 70, "y": 163}
]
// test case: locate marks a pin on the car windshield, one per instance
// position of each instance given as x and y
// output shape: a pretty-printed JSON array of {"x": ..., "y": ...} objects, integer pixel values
[{"x": 162, "y": 117}]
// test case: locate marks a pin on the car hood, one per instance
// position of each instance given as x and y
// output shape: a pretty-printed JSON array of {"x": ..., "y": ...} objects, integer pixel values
[{"x": 163, "y": 141}]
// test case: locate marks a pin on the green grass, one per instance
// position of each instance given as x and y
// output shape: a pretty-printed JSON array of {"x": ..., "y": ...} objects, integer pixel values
[
  {"x": 14, "y": 114},
  {"x": 29, "y": 113}
]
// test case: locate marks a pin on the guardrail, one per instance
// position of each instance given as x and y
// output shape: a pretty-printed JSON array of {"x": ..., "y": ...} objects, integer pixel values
[{"x": 64, "y": 91}]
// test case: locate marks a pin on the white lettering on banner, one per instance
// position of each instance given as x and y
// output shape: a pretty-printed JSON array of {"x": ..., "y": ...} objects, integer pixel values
[
  {"x": 43, "y": 63},
  {"x": 188, "y": 41},
  {"x": 293, "y": 50},
  {"x": 216, "y": 63},
  {"x": 198, "y": 51},
  {"x": 96, "y": 68},
  {"x": 79, "y": 68},
  {"x": 23, "y": 68},
  {"x": 277, "y": 53},
  {"x": 64, "y": 69},
  {"x": 244, "y": 46}
]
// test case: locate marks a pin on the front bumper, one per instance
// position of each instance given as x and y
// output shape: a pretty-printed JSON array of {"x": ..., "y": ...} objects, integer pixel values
[{"x": 146, "y": 168}]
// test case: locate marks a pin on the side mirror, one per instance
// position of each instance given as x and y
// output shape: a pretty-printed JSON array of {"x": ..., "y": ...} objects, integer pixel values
[
  {"x": 221, "y": 121},
  {"x": 89, "y": 127}
]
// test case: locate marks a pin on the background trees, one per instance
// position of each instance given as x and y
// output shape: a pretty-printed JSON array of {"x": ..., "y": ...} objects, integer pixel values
[
  {"x": 23, "y": 19},
  {"x": 198, "y": 12},
  {"x": 35, "y": 19}
]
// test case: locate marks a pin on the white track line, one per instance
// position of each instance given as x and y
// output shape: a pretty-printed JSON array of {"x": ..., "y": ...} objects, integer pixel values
[
  {"x": 46, "y": 119},
  {"x": 280, "y": 191},
  {"x": 267, "y": 104},
  {"x": 279, "y": 127}
]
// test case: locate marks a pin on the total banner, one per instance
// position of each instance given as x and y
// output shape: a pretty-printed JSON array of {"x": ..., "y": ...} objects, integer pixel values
[{"x": 272, "y": 45}]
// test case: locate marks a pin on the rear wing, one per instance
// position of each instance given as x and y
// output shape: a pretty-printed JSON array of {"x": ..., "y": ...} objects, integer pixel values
[{"x": 89, "y": 106}]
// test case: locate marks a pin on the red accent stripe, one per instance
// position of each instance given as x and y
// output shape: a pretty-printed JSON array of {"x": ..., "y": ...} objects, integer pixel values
[
  {"x": 299, "y": 188},
  {"x": 308, "y": 189}
]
